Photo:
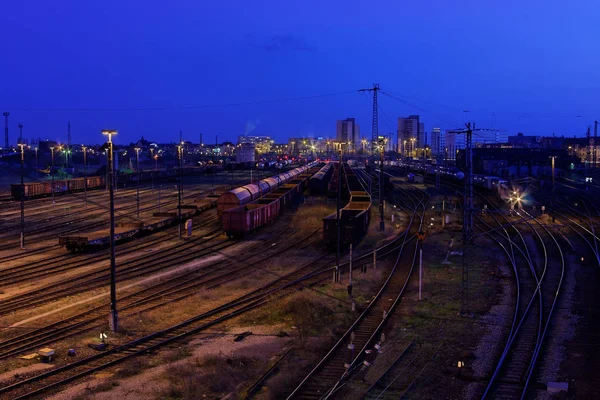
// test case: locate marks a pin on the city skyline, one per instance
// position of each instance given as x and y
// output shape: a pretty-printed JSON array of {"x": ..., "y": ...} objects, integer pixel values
[{"x": 219, "y": 71}]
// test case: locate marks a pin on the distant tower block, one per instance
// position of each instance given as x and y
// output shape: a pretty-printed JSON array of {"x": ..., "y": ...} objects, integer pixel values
[{"x": 6, "y": 114}]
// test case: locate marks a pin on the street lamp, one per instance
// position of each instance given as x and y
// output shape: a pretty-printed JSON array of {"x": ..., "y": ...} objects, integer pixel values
[
  {"x": 36, "y": 162},
  {"x": 22, "y": 195},
  {"x": 84, "y": 176},
  {"x": 179, "y": 190},
  {"x": 114, "y": 319},
  {"x": 137, "y": 194},
  {"x": 336, "y": 276},
  {"x": 412, "y": 146},
  {"x": 52, "y": 173},
  {"x": 553, "y": 211}
]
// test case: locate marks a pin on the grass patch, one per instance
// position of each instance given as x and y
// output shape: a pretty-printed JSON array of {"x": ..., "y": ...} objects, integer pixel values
[
  {"x": 133, "y": 367},
  {"x": 197, "y": 378},
  {"x": 312, "y": 313}
]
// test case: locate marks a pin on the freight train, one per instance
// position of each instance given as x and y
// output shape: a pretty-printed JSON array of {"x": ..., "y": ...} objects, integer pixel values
[
  {"x": 248, "y": 193},
  {"x": 319, "y": 182},
  {"x": 354, "y": 217},
  {"x": 452, "y": 173},
  {"x": 32, "y": 190},
  {"x": 44, "y": 188},
  {"x": 241, "y": 220}
]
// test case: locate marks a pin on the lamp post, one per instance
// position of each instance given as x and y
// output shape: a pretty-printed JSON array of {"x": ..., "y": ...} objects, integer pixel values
[
  {"x": 113, "y": 317},
  {"x": 412, "y": 147},
  {"x": 152, "y": 172},
  {"x": 336, "y": 277},
  {"x": 52, "y": 173},
  {"x": 553, "y": 212},
  {"x": 179, "y": 191},
  {"x": 182, "y": 163},
  {"x": 137, "y": 192},
  {"x": 36, "y": 162},
  {"x": 84, "y": 177},
  {"x": 22, "y": 195},
  {"x": 381, "y": 176}
]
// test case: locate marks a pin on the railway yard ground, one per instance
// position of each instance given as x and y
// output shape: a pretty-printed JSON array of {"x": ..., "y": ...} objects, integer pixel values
[{"x": 210, "y": 317}]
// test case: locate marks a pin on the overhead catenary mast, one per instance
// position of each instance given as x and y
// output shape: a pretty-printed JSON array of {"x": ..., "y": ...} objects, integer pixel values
[
  {"x": 467, "y": 210},
  {"x": 373, "y": 179}
]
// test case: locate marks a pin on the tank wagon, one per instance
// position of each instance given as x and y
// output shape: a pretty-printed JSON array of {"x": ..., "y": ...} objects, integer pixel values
[
  {"x": 354, "y": 217},
  {"x": 319, "y": 182},
  {"x": 247, "y": 218},
  {"x": 248, "y": 193}
]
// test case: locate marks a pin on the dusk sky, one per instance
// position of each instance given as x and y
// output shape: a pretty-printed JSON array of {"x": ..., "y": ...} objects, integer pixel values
[{"x": 534, "y": 64}]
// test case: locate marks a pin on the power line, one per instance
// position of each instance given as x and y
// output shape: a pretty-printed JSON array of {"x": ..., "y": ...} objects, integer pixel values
[
  {"x": 191, "y": 107},
  {"x": 453, "y": 123}
]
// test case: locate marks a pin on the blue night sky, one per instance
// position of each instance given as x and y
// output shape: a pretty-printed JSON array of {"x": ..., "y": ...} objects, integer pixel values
[{"x": 530, "y": 66}]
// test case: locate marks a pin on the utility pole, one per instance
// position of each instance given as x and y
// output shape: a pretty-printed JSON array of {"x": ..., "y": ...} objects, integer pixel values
[
  {"x": 438, "y": 162},
  {"x": 114, "y": 316},
  {"x": 68, "y": 142},
  {"x": 137, "y": 192},
  {"x": 336, "y": 276},
  {"x": 84, "y": 176},
  {"x": 20, "y": 133},
  {"x": 552, "y": 201},
  {"x": 179, "y": 148},
  {"x": 6, "y": 114},
  {"x": 52, "y": 173},
  {"x": 595, "y": 142},
  {"x": 374, "y": 141},
  {"x": 467, "y": 218},
  {"x": 588, "y": 154},
  {"x": 22, "y": 145},
  {"x": 381, "y": 157}
]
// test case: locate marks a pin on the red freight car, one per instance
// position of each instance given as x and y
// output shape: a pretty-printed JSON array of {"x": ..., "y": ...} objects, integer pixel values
[{"x": 238, "y": 221}]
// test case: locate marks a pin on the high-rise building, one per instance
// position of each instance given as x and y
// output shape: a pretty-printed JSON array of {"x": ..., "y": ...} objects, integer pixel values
[
  {"x": 454, "y": 142},
  {"x": 411, "y": 134},
  {"x": 348, "y": 131},
  {"x": 437, "y": 141}
]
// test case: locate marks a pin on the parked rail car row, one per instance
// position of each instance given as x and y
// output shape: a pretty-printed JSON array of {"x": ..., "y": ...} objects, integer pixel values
[
  {"x": 495, "y": 183},
  {"x": 247, "y": 218},
  {"x": 44, "y": 188},
  {"x": 319, "y": 182},
  {"x": 354, "y": 217},
  {"x": 251, "y": 192},
  {"x": 125, "y": 231},
  {"x": 333, "y": 187}
]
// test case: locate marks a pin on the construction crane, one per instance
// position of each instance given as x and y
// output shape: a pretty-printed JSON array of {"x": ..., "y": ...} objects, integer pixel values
[{"x": 468, "y": 208}]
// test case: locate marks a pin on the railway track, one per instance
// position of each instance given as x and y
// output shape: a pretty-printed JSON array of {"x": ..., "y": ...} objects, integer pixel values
[
  {"x": 341, "y": 361},
  {"x": 539, "y": 271},
  {"x": 77, "y": 224},
  {"x": 68, "y": 262},
  {"x": 307, "y": 275},
  {"x": 130, "y": 269},
  {"x": 538, "y": 281},
  {"x": 151, "y": 297}
]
